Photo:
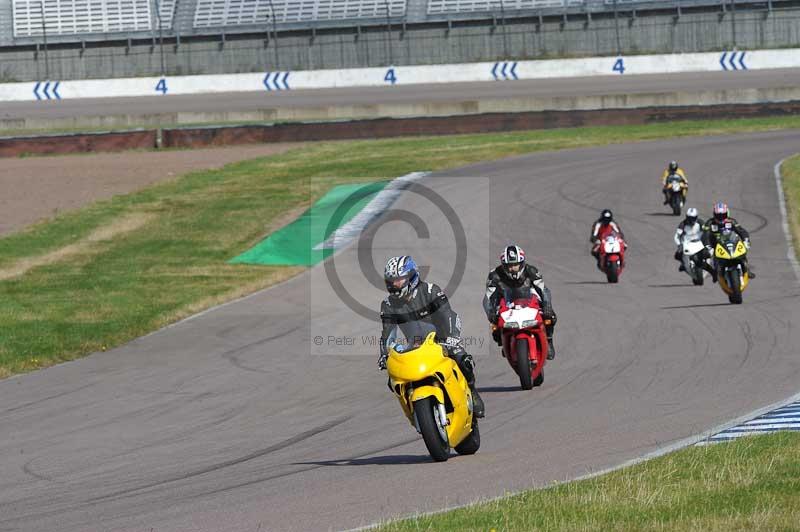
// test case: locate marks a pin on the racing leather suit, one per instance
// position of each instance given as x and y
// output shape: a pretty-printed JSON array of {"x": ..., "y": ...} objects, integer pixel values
[
  {"x": 711, "y": 231},
  {"x": 425, "y": 311},
  {"x": 496, "y": 284}
]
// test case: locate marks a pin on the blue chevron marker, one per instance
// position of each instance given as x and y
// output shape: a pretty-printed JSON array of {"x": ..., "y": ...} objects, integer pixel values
[
  {"x": 46, "y": 88},
  {"x": 275, "y": 80},
  {"x": 722, "y": 60},
  {"x": 55, "y": 90},
  {"x": 285, "y": 84},
  {"x": 731, "y": 58},
  {"x": 494, "y": 71},
  {"x": 514, "y": 70},
  {"x": 266, "y": 82},
  {"x": 36, "y": 90},
  {"x": 741, "y": 61}
]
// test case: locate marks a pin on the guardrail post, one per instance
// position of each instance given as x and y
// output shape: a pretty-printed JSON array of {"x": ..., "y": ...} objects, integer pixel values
[
  {"x": 616, "y": 28},
  {"x": 44, "y": 37}
]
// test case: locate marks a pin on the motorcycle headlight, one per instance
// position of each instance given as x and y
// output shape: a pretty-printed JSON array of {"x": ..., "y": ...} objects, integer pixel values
[
  {"x": 511, "y": 325},
  {"x": 529, "y": 323},
  {"x": 676, "y": 187}
]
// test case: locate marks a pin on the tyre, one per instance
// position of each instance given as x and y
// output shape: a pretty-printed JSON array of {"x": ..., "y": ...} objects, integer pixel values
[
  {"x": 471, "y": 443},
  {"x": 435, "y": 441},
  {"x": 697, "y": 278},
  {"x": 524, "y": 364},
  {"x": 676, "y": 205},
  {"x": 735, "y": 296},
  {"x": 612, "y": 272}
]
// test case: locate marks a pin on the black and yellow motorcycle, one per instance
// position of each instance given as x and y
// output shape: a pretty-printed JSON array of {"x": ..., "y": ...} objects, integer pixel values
[{"x": 729, "y": 257}]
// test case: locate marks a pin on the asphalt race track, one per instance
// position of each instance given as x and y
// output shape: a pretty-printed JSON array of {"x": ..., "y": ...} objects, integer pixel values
[
  {"x": 442, "y": 92},
  {"x": 228, "y": 421}
]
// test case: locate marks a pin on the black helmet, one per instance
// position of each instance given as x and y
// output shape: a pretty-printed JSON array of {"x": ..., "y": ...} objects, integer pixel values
[
  {"x": 513, "y": 261},
  {"x": 606, "y": 216},
  {"x": 673, "y": 166}
]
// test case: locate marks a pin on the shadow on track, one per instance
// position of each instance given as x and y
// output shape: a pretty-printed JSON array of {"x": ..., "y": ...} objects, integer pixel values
[
  {"x": 586, "y": 282},
  {"x": 670, "y": 285},
  {"x": 396, "y": 459},
  {"x": 499, "y": 389},
  {"x": 661, "y": 214},
  {"x": 701, "y": 306}
]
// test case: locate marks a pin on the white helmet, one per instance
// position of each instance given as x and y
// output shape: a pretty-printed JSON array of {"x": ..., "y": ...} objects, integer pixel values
[{"x": 691, "y": 215}]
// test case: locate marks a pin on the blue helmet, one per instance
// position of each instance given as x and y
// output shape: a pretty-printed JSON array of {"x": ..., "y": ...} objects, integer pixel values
[{"x": 401, "y": 276}]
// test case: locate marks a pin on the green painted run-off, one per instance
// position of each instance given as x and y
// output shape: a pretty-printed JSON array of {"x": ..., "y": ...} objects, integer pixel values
[{"x": 294, "y": 244}]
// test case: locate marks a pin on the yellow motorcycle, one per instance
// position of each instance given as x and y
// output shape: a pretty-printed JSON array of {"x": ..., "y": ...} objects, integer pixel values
[
  {"x": 435, "y": 398},
  {"x": 729, "y": 256}
]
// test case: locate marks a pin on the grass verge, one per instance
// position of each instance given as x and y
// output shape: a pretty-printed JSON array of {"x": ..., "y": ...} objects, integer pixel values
[
  {"x": 71, "y": 289},
  {"x": 790, "y": 174},
  {"x": 749, "y": 484}
]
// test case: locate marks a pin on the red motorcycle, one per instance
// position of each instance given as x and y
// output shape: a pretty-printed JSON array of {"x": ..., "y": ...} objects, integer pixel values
[
  {"x": 524, "y": 336},
  {"x": 612, "y": 255}
]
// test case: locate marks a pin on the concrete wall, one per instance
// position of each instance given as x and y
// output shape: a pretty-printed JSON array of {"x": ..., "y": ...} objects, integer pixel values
[{"x": 421, "y": 44}]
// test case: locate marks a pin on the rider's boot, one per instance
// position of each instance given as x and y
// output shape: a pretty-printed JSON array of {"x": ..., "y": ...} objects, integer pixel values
[
  {"x": 681, "y": 267},
  {"x": 749, "y": 270},
  {"x": 477, "y": 402},
  {"x": 551, "y": 348}
]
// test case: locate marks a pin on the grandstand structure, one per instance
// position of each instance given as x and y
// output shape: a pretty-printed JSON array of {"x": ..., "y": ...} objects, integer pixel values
[
  {"x": 97, "y": 38},
  {"x": 25, "y": 22}
]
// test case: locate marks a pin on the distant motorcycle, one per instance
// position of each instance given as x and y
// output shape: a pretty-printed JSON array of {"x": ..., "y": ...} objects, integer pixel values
[
  {"x": 729, "y": 255},
  {"x": 523, "y": 333},
  {"x": 693, "y": 258},
  {"x": 676, "y": 193},
  {"x": 612, "y": 256}
]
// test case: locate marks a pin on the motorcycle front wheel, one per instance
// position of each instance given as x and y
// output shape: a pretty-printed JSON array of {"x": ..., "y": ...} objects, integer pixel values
[
  {"x": 697, "y": 275},
  {"x": 433, "y": 433},
  {"x": 676, "y": 205},
  {"x": 612, "y": 272},
  {"x": 735, "y": 296},
  {"x": 524, "y": 364}
]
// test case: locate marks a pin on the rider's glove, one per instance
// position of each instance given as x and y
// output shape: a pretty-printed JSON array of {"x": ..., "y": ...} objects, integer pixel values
[
  {"x": 747, "y": 243},
  {"x": 382, "y": 361}
]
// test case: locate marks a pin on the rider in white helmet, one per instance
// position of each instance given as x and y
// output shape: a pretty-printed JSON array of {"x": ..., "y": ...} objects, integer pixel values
[{"x": 691, "y": 226}]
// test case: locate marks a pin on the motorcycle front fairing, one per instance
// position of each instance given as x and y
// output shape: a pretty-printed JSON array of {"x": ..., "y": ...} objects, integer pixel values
[
  {"x": 426, "y": 371},
  {"x": 729, "y": 254}
]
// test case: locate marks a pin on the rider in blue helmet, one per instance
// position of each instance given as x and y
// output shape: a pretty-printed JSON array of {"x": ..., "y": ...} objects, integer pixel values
[{"x": 417, "y": 308}]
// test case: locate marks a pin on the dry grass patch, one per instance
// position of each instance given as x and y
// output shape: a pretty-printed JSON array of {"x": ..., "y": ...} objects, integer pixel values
[{"x": 83, "y": 247}]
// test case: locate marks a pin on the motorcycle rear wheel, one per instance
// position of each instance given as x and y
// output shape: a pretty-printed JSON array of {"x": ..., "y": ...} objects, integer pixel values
[
  {"x": 438, "y": 448},
  {"x": 524, "y": 364},
  {"x": 471, "y": 443}
]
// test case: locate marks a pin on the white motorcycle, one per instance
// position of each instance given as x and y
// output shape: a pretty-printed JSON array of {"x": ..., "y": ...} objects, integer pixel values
[{"x": 693, "y": 258}]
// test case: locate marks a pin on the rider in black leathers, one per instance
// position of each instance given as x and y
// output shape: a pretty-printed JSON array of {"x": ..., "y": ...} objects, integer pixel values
[
  {"x": 418, "y": 308},
  {"x": 513, "y": 273},
  {"x": 715, "y": 225}
]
